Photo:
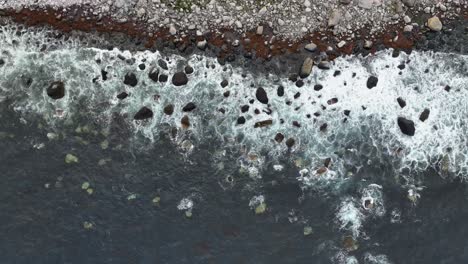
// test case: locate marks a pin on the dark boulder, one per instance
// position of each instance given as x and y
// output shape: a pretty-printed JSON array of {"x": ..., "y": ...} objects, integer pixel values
[
  {"x": 163, "y": 78},
  {"x": 280, "y": 91},
  {"x": 244, "y": 108},
  {"x": 241, "y": 120},
  {"x": 318, "y": 87},
  {"x": 290, "y": 142},
  {"x": 189, "y": 107},
  {"x": 169, "y": 109},
  {"x": 401, "y": 102},
  {"x": 56, "y": 90},
  {"x": 154, "y": 74},
  {"x": 279, "y": 137},
  {"x": 424, "y": 115},
  {"x": 104, "y": 75},
  {"x": 162, "y": 63},
  {"x": 188, "y": 69},
  {"x": 179, "y": 79},
  {"x": 122, "y": 95},
  {"x": 332, "y": 101},
  {"x": 406, "y": 126},
  {"x": 143, "y": 113},
  {"x": 142, "y": 66},
  {"x": 224, "y": 83},
  {"x": 372, "y": 82},
  {"x": 263, "y": 123},
  {"x": 130, "y": 79},
  {"x": 261, "y": 95},
  {"x": 185, "y": 122}
]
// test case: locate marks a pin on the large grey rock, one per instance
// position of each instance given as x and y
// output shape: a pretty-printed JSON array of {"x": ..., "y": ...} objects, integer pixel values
[
  {"x": 434, "y": 24},
  {"x": 409, "y": 3},
  {"x": 306, "y": 67},
  {"x": 335, "y": 18}
]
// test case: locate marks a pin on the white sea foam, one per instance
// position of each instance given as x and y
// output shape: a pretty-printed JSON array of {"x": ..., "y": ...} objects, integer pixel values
[{"x": 369, "y": 136}]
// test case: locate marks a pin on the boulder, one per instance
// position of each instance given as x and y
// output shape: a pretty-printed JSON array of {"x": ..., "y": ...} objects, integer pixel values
[
  {"x": 261, "y": 95},
  {"x": 188, "y": 69},
  {"x": 372, "y": 82},
  {"x": 424, "y": 115},
  {"x": 290, "y": 142},
  {"x": 189, "y": 107},
  {"x": 241, "y": 120},
  {"x": 224, "y": 83},
  {"x": 169, "y": 109},
  {"x": 163, "y": 64},
  {"x": 401, "y": 102},
  {"x": 143, "y": 113},
  {"x": 279, "y": 137},
  {"x": 122, "y": 95},
  {"x": 56, "y": 90},
  {"x": 154, "y": 74},
  {"x": 179, "y": 79},
  {"x": 185, "y": 122},
  {"x": 306, "y": 67},
  {"x": 130, "y": 79},
  {"x": 434, "y": 24},
  {"x": 406, "y": 126},
  {"x": 263, "y": 123}
]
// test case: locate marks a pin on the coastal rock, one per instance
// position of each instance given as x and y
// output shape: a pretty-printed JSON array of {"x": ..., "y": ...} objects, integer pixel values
[
  {"x": 163, "y": 64},
  {"x": 424, "y": 115},
  {"x": 163, "y": 78},
  {"x": 56, "y": 90},
  {"x": 279, "y": 137},
  {"x": 189, "y": 107},
  {"x": 372, "y": 82},
  {"x": 263, "y": 123},
  {"x": 185, "y": 122},
  {"x": 406, "y": 126},
  {"x": 280, "y": 91},
  {"x": 143, "y": 113},
  {"x": 335, "y": 18},
  {"x": 409, "y": 3},
  {"x": 324, "y": 65},
  {"x": 169, "y": 109},
  {"x": 290, "y": 142},
  {"x": 179, "y": 79},
  {"x": 401, "y": 102},
  {"x": 434, "y": 24},
  {"x": 202, "y": 44},
  {"x": 224, "y": 83},
  {"x": 261, "y": 95},
  {"x": 122, "y": 95},
  {"x": 130, "y": 79},
  {"x": 311, "y": 47},
  {"x": 154, "y": 74},
  {"x": 306, "y": 67},
  {"x": 241, "y": 120},
  {"x": 188, "y": 69}
]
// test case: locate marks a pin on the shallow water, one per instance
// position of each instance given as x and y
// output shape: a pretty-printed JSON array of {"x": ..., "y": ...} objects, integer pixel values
[{"x": 221, "y": 191}]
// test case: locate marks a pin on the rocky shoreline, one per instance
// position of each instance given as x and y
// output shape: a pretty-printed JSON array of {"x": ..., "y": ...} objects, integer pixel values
[{"x": 260, "y": 49}]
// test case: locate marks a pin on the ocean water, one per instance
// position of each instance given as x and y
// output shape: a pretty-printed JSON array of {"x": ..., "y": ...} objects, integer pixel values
[{"x": 83, "y": 182}]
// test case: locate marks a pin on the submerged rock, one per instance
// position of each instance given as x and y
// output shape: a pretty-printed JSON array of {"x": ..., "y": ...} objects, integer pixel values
[
  {"x": 169, "y": 109},
  {"x": 189, "y": 107},
  {"x": 434, "y": 24},
  {"x": 70, "y": 158},
  {"x": 130, "y": 79},
  {"x": 163, "y": 78},
  {"x": 56, "y": 90},
  {"x": 179, "y": 79},
  {"x": 143, "y": 113},
  {"x": 290, "y": 142},
  {"x": 241, "y": 120},
  {"x": 406, "y": 126},
  {"x": 261, "y": 95},
  {"x": 279, "y": 137},
  {"x": 188, "y": 69},
  {"x": 122, "y": 95},
  {"x": 185, "y": 122}
]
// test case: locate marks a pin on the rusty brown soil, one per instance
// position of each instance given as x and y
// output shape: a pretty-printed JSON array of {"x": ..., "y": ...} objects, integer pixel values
[{"x": 263, "y": 46}]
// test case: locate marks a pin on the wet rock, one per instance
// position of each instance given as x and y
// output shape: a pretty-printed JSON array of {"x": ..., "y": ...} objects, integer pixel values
[
  {"x": 350, "y": 244},
  {"x": 406, "y": 126},
  {"x": 227, "y": 93},
  {"x": 323, "y": 127},
  {"x": 299, "y": 83},
  {"x": 241, "y": 120},
  {"x": 324, "y": 65},
  {"x": 263, "y": 123},
  {"x": 280, "y": 91},
  {"x": 318, "y": 87},
  {"x": 188, "y": 69},
  {"x": 154, "y": 74},
  {"x": 130, "y": 79},
  {"x": 447, "y": 88},
  {"x": 169, "y": 109},
  {"x": 347, "y": 112},
  {"x": 372, "y": 82},
  {"x": 104, "y": 75},
  {"x": 409, "y": 3},
  {"x": 311, "y": 47},
  {"x": 293, "y": 77},
  {"x": 189, "y": 107},
  {"x": 296, "y": 124},
  {"x": 162, "y": 63},
  {"x": 261, "y": 95},
  {"x": 2, "y": 62},
  {"x": 290, "y": 142},
  {"x": 179, "y": 79},
  {"x": 244, "y": 108},
  {"x": 297, "y": 95},
  {"x": 143, "y": 113},
  {"x": 401, "y": 102},
  {"x": 279, "y": 137},
  {"x": 424, "y": 115},
  {"x": 56, "y": 90},
  {"x": 334, "y": 18},
  {"x": 224, "y": 83},
  {"x": 142, "y": 66},
  {"x": 185, "y": 122},
  {"x": 332, "y": 101},
  {"x": 306, "y": 68},
  {"x": 122, "y": 95},
  {"x": 434, "y": 24},
  {"x": 163, "y": 78}
]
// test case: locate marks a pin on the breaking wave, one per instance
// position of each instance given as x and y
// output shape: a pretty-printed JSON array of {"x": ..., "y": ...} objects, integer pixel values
[{"x": 334, "y": 122}]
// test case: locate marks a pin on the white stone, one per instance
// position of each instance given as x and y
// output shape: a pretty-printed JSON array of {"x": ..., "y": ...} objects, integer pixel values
[
  {"x": 172, "y": 30},
  {"x": 341, "y": 44}
]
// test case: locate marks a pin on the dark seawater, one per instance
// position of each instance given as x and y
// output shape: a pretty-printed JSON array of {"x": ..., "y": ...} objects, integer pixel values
[{"x": 45, "y": 225}]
